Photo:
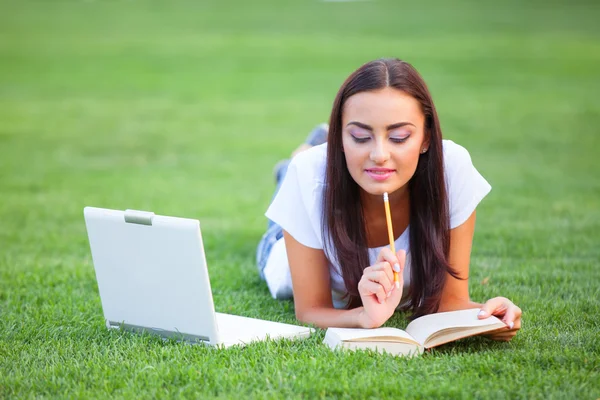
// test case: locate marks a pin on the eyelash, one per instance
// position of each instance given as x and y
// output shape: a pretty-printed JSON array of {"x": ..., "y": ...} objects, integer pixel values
[{"x": 394, "y": 140}]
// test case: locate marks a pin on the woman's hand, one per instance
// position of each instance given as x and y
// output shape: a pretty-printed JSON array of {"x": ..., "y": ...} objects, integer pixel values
[
  {"x": 509, "y": 313},
  {"x": 379, "y": 295}
]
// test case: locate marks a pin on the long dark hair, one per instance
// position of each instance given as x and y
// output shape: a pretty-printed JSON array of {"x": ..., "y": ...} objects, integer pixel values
[{"x": 343, "y": 218}]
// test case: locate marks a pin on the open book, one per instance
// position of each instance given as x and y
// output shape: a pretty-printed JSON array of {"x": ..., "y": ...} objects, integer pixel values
[{"x": 422, "y": 333}]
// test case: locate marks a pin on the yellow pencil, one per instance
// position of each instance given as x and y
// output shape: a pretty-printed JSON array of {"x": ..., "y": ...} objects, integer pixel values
[{"x": 388, "y": 218}]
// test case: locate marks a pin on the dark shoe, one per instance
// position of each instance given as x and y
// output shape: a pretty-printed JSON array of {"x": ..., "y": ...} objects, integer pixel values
[
  {"x": 280, "y": 168},
  {"x": 318, "y": 135}
]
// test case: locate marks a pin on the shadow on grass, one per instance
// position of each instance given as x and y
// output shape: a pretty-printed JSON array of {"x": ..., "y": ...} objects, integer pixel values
[{"x": 471, "y": 345}]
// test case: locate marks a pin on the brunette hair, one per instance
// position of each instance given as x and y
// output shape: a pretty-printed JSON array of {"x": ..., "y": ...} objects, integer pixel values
[{"x": 343, "y": 218}]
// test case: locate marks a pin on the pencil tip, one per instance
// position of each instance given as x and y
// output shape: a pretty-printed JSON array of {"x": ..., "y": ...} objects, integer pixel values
[{"x": 385, "y": 196}]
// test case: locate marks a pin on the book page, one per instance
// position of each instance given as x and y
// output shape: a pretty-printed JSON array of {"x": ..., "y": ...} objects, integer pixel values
[
  {"x": 425, "y": 327},
  {"x": 372, "y": 335}
]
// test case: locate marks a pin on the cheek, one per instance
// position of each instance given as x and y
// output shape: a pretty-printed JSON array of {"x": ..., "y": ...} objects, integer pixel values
[
  {"x": 406, "y": 162},
  {"x": 408, "y": 157},
  {"x": 352, "y": 162},
  {"x": 352, "y": 154},
  {"x": 355, "y": 164}
]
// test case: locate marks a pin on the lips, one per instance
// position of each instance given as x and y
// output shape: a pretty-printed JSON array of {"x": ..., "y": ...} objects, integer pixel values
[{"x": 380, "y": 174}]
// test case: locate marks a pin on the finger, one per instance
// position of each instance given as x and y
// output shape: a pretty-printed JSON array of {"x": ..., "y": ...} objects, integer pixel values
[
  {"x": 401, "y": 254},
  {"x": 382, "y": 278},
  {"x": 383, "y": 266},
  {"x": 402, "y": 262},
  {"x": 386, "y": 254},
  {"x": 373, "y": 288},
  {"x": 395, "y": 296},
  {"x": 493, "y": 306},
  {"x": 387, "y": 268},
  {"x": 511, "y": 315},
  {"x": 504, "y": 336},
  {"x": 517, "y": 325}
]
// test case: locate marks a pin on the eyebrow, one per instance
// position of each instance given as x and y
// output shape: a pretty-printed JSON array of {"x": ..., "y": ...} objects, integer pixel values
[{"x": 389, "y": 127}]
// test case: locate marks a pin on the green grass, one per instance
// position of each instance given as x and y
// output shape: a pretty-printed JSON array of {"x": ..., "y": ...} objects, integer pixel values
[{"x": 182, "y": 108}]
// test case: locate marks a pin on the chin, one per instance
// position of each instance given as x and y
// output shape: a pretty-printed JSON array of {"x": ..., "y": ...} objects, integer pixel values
[{"x": 378, "y": 189}]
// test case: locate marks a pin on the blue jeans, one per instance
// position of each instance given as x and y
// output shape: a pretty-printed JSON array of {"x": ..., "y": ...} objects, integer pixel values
[{"x": 274, "y": 232}]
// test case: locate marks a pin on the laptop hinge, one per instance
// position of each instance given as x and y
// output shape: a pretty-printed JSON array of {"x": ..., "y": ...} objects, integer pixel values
[
  {"x": 139, "y": 217},
  {"x": 161, "y": 332}
]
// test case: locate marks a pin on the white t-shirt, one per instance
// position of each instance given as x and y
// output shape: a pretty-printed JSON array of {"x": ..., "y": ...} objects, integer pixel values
[{"x": 298, "y": 204}]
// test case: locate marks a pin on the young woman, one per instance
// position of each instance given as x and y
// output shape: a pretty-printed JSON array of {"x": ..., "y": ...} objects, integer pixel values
[{"x": 327, "y": 241}]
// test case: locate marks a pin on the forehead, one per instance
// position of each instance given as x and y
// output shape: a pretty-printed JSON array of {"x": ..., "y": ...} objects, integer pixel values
[{"x": 382, "y": 107}]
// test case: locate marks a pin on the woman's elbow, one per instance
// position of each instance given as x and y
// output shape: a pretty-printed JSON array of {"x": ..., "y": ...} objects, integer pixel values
[{"x": 302, "y": 315}]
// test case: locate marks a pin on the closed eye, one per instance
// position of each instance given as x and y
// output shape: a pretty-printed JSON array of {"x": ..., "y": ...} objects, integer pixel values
[
  {"x": 399, "y": 140},
  {"x": 360, "y": 139}
]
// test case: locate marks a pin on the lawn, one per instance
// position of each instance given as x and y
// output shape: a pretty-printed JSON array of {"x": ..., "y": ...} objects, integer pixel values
[{"x": 183, "y": 107}]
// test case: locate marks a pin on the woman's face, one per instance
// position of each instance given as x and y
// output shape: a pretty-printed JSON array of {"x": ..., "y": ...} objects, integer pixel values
[{"x": 382, "y": 136}]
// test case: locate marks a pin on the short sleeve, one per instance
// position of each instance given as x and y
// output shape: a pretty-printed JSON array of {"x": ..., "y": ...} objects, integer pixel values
[
  {"x": 466, "y": 186},
  {"x": 289, "y": 208}
]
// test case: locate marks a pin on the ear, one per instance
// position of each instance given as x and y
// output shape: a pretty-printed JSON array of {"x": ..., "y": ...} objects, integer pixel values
[{"x": 426, "y": 141}]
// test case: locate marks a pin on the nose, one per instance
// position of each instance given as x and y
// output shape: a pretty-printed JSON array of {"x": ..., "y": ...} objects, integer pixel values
[{"x": 379, "y": 152}]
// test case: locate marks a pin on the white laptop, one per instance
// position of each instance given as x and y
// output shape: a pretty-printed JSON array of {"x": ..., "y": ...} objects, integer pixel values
[{"x": 152, "y": 276}]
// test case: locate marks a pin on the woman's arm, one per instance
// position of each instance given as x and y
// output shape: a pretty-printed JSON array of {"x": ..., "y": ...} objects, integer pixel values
[
  {"x": 455, "y": 295},
  {"x": 312, "y": 288}
]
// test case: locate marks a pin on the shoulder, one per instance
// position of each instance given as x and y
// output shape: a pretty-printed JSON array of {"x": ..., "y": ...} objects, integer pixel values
[
  {"x": 458, "y": 165},
  {"x": 465, "y": 185},
  {"x": 297, "y": 205},
  {"x": 309, "y": 165},
  {"x": 455, "y": 155}
]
